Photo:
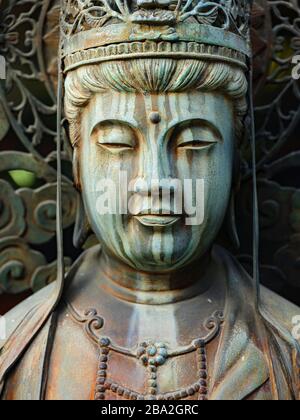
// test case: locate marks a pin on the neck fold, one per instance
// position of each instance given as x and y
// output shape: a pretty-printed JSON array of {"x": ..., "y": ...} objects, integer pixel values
[{"x": 154, "y": 288}]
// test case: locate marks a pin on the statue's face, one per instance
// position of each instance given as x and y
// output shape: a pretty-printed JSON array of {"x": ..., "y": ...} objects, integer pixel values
[{"x": 167, "y": 141}]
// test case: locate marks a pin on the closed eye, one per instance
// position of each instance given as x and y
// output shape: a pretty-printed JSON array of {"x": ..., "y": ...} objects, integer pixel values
[
  {"x": 116, "y": 146},
  {"x": 115, "y": 136},
  {"x": 197, "y": 144}
]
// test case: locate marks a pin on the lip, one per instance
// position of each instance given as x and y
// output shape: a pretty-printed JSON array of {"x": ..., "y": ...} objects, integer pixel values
[{"x": 157, "y": 220}]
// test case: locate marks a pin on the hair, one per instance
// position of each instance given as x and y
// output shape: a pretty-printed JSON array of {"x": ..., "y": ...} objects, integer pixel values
[{"x": 150, "y": 75}]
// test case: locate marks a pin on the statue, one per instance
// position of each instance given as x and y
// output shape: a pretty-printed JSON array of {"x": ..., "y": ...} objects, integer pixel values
[{"x": 155, "y": 94}]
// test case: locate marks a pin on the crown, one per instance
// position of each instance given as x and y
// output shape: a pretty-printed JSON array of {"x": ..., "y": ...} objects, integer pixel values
[{"x": 94, "y": 31}]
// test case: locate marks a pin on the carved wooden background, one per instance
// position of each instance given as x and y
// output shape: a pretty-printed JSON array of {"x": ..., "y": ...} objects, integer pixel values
[{"x": 28, "y": 40}]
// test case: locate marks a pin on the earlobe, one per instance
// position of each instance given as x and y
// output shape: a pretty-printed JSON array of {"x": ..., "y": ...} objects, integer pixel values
[
  {"x": 231, "y": 211},
  {"x": 76, "y": 169},
  {"x": 231, "y": 222},
  {"x": 82, "y": 228}
]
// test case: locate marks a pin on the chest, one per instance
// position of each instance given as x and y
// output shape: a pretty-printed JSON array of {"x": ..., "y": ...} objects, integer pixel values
[
  {"x": 103, "y": 358},
  {"x": 83, "y": 369}
]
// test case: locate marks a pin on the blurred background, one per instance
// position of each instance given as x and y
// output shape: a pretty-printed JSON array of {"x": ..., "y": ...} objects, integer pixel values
[{"x": 29, "y": 42}]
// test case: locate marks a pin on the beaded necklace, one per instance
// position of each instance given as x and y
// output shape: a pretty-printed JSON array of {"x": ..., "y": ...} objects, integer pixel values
[{"x": 152, "y": 356}]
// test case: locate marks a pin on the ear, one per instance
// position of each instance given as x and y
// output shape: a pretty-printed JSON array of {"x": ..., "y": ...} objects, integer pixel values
[
  {"x": 76, "y": 168},
  {"x": 231, "y": 210},
  {"x": 82, "y": 228},
  {"x": 231, "y": 222}
]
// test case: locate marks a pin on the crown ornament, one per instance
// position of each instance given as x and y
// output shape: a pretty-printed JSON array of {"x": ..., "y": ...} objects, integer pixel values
[{"x": 94, "y": 31}]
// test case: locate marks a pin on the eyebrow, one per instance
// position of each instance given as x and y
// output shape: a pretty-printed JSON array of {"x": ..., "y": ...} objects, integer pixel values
[
  {"x": 112, "y": 121},
  {"x": 176, "y": 125},
  {"x": 180, "y": 125}
]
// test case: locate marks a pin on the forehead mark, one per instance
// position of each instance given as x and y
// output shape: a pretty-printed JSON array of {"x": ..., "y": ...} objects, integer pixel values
[{"x": 155, "y": 117}]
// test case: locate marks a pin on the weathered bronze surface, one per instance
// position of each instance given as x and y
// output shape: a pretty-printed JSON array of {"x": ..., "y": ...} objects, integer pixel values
[
  {"x": 158, "y": 311},
  {"x": 31, "y": 55}
]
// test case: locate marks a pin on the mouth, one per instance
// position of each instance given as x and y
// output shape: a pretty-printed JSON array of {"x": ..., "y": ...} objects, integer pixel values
[{"x": 157, "y": 220}]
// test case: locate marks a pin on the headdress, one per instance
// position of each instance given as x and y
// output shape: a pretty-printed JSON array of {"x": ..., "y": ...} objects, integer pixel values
[{"x": 94, "y": 31}]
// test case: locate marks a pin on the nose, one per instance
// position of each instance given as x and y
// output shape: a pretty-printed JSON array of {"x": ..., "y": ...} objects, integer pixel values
[
  {"x": 155, "y": 186},
  {"x": 155, "y": 165}
]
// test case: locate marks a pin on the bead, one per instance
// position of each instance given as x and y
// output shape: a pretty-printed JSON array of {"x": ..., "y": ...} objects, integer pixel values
[
  {"x": 103, "y": 359},
  {"x": 161, "y": 346},
  {"x": 152, "y": 391},
  {"x": 103, "y": 366},
  {"x": 152, "y": 351},
  {"x": 104, "y": 351},
  {"x": 144, "y": 359},
  {"x": 183, "y": 394},
  {"x": 153, "y": 376},
  {"x": 191, "y": 391},
  {"x": 102, "y": 373},
  {"x": 99, "y": 396},
  {"x": 101, "y": 389},
  {"x": 120, "y": 391},
  {"x": 152, "y": 384},
  {"x": 160, "y": 360},
  {"x": 203, "y": 391},
  {"x": 114, "y": 387},
  {"x": 133, "y": 396},
  {"x": 100, "y": 381},
  {"x": 202, "y": 365},
  {"x": 153, "y": 368},
  {"x": 203, "y": 375},
  {"x": 127, "y": 394},
  {"x": 163, "y": 353},
  {"x": 105, "y": 342}
]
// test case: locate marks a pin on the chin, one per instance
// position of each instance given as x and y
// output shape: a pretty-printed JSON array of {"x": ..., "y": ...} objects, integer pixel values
[{"x": 164, "y": 262}]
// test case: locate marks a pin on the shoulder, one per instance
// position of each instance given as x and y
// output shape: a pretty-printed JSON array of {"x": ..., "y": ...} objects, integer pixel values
[
  {"x": 281, "y": 313},
  {"x": 283, "y": 320},
  {"x": 284, "y": 312},
  {"x": 11, "y": 320},
  {"x": 25, "y": 310}
]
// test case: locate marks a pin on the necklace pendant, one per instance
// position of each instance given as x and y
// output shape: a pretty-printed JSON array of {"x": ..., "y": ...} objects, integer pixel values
[{"x": 153, "y": 356}]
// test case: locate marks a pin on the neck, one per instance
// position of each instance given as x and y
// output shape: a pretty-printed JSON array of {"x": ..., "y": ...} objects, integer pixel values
[{"x": 154, "y": 288}]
